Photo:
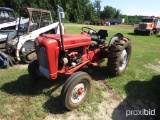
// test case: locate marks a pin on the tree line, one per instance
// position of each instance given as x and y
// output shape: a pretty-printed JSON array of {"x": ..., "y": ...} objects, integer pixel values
[{"x": 75, "y": 10}]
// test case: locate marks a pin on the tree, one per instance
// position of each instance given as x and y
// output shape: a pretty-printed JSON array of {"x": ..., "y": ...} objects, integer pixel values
[
  {"x": 108, "y": 12},
  {"x": 89, "y": 12},
  {"x": 118, "y": 14},
  {"x": 126, "y": 19},
  {"x": 97, "y": 7}
]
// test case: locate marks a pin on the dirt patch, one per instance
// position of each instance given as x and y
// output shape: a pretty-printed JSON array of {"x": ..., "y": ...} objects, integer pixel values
[
  {"x": 113, "y": 107},
  {"x": 9, "y": 108},
  {"x": 22, "y": 66},
  {"x": 122, "y": 26},
  {"x": 105, "y": 111},
  {"x": 154, "y": 67}
]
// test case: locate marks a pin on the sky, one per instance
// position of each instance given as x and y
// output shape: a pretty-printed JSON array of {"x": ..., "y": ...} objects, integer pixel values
[{"x": 134, "y": 7}]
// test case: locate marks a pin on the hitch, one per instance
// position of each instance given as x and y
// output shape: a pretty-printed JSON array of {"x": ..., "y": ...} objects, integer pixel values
[{"x": 4, "y": 60}]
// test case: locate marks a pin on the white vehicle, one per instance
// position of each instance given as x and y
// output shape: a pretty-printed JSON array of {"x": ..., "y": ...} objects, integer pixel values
[
  {"x": 19, "y": 45},
  {"x": 7, "y": 18},
  {"x": 8, "y": 22}
]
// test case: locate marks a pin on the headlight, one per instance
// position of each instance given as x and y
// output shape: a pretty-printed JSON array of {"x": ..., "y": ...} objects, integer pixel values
[{"x": 36, "y": 42}]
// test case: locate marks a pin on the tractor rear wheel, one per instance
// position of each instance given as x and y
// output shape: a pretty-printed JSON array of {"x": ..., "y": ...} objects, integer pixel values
[
  {"x": 75, "y": 90},
  {"x": 33, "y": 69},
  {"x": 119, "y": 56}
]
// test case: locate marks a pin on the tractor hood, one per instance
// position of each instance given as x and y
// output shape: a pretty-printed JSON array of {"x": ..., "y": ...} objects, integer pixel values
[{"x": 70, "y": 40}]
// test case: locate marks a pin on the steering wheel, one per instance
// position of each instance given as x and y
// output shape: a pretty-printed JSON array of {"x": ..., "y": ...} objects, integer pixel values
[{"x": 89, "y": 30}]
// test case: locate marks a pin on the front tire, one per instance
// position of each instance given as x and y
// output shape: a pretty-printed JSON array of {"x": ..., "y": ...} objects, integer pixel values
[
  {"x": 33, "y": 69},
  {"x": 119, "y": 56},
  {"x": 75, "y": 90}
]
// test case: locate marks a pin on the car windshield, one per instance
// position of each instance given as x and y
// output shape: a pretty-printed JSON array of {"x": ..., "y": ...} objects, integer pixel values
[
  {"x": 7, "y": 16},
  {"x": 147, "y": 20}
]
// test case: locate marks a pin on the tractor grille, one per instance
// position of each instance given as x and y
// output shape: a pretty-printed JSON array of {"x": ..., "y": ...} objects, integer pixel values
[
  {"x": 42, "y": 57},
  {"x": 142, "y": 26}
]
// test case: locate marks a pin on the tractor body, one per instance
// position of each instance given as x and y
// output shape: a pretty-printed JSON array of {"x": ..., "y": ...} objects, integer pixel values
[
  {"x": 65, "y": 54},
  {"x": 78, "y": 53}
]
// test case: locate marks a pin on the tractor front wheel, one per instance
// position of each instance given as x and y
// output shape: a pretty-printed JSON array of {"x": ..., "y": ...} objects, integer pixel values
[
  {"x": 119, "y": 55},
  {"x": 75, "y": 90},
  {"x": 33, "y": 69}
]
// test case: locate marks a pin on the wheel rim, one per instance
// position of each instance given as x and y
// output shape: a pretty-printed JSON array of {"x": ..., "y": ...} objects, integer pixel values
[
  {"x": 78, "y": 93},
  {"x": 123, "y": 60}
]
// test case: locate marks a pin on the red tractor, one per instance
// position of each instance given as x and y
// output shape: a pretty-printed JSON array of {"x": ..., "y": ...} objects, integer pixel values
[{"x": 65, "y": 54}]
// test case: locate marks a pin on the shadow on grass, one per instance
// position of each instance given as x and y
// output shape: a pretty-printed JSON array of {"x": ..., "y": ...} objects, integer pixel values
[
  {"x": 133, "y": 34},
  {"x": 25, "y": 86},
  {"x": 97, "y": 72},
  {"x": 158, "y": 35},
  {"x": 140, "y": 95}
]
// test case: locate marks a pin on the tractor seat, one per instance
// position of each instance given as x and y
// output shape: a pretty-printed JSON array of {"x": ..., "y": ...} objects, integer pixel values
[
  {"x": 102, "y": 34},
  {"x": 99, "y": 38}
]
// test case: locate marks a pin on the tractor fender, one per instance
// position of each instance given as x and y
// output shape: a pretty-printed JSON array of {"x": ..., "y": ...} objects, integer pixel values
[
  {"x": 114, "y": 38},
  {"x": 24, "y": 45},
  {"x": 22, "y": 40},
  {"x": 27, "y": 44},
  {"x": 27, "y": 48}
]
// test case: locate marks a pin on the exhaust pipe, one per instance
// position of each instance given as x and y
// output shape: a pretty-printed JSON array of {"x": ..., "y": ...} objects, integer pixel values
[{"x": 60, "y": 12}]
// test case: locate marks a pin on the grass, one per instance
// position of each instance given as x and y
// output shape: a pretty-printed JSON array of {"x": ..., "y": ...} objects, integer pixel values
[{"x": 21, "y": 98}]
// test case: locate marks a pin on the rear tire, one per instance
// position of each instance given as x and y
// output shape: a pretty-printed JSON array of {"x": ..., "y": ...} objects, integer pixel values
[
  {"x": 75, "y": 90},
  {"x": 33, "y": 69},
  {"x": 119, "y": 56}
]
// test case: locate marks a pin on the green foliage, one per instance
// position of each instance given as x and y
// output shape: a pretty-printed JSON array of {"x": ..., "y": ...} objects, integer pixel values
[
  {"x": 75, "y": 10},
  {"x": 134, "y": 19},
  {"x": 97, "y": 7},
  {"x": 126, "y": 19},
  {"x": 110, "y": 12}
]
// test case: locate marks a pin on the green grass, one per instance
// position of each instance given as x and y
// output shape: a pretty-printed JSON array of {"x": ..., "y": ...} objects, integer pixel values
[{"x": 21, "y": 98}]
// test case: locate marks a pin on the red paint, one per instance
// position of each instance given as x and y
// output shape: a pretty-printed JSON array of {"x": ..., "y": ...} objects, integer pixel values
[
  {"x": 80, "y": 91},
  {"x": 52, "y": 43}
]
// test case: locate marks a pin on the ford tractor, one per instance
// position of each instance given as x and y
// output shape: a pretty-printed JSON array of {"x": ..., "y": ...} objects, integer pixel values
[{"x": 65, "y": 54}]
